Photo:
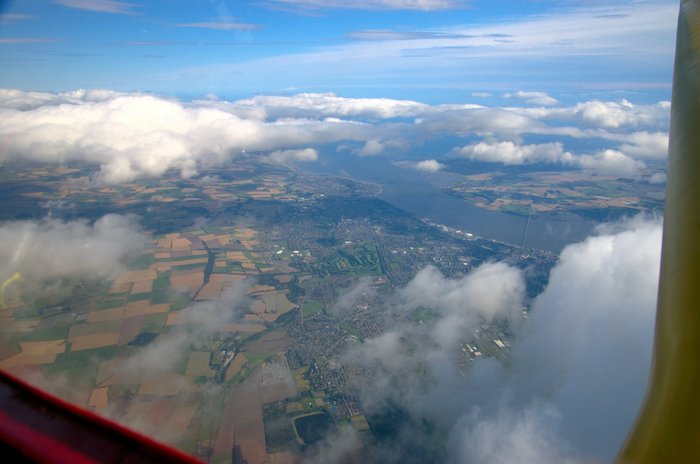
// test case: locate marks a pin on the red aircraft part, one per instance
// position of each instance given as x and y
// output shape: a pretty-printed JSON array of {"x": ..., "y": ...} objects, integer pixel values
[{"x": 38, "y": 427}]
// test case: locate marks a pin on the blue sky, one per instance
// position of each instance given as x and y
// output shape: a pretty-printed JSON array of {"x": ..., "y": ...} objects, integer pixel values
[{"x": 427, "y": 50}]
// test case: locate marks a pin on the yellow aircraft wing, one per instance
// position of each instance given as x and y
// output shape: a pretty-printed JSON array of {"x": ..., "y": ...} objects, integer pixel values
[{"x": 668, "y": 426}]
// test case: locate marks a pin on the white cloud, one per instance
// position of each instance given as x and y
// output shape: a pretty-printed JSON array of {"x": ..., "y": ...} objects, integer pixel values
[
  {"x": 613, "y": 163},
  {"x": 657, "y": 178},
  {"x": 510, "y": 153},
  {"x": 606, "y": 114},
  {"x": 652, "y": 145},
  {"x": 331, "y": 105},
  {"x": 524, "y": 436},
  {"x": 482, "y": 94},
  {"x": 606, "y": 162},
  {"x": 129, "y": 136},
  {"x": 25, "y": 40},
  {"x": 577, "y": 371},
  {"x": 492, "y": 291},
  {"x": 52, "y": 249},
  {"x": 426, "y": 5},
  {"x": 27, "y": 100},
  {"x": 594, "y": 320},
  {"x": 286, "y": 156},
  {"x": 9, "y": 18},
  {"x": 430, "y": 165},
  {"x": 371, "y": 148},
  {"x": 222, "y": 26},
  {"x": 534, "y": 98},
  {"x": 100, "y": 6}
]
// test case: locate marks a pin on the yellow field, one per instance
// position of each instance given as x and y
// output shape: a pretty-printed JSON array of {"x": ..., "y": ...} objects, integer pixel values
[
  {"x": 249, "y": 267},
  {"x": 109, "y": 373},
  {"x": 99, "y": 397},
  {"x": 260, "y": 289},
  {"x": 271, "y": 305},
  {"x": 24, "y": 359},
  {"x": 249, "y": 244},
  {"x": 120, "y": 287},
  {"x": 181, "y": 244},
  {"x": 188, "y": 280},
  {"x": 142, "y": 286},
  {"x": 106, "y": 315},
  {"x": 218, "y": 283},
  {"x": 198, "y": 364},
  {"x": 93, "y": 328},
  {"x": 244, "y": 328},
  {"x": 180, "y": 420},
  {"x": 162, "y": 267},
  {"x": 236, "y": 256},
  {"x": 284, "y": 278},
  {"x": 169, "y": 384},
  {"x": 236, "y": 365},
  {"x": 47, "y": 347},
  {"x": 88, "y": 342},
  {"x": 134, "y": 276},
  {"x": 173, "y": 319},
  {"x": 185, "y": 262},
  {"x": 164, "y": 243},
  {"x": 142, "y": 307}
]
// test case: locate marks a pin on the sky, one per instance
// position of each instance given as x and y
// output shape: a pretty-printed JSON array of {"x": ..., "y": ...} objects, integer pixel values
[{"x": 433, "y": 51}]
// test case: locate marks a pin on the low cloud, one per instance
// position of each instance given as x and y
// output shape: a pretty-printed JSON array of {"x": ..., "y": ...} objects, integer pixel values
[
  {"x": 287, "y": 156},
  {"x": 606, "y": 162},
  {"x": 533, "y": 98},
  {"x": 371, "y": 148},
  {"x": 195, "y": 324},
  {"x": 576, "y": 374},
  {"x": 430, "y": 165},
  {"x": 612, "y": 163},
  {"x": 510, "y": 153},
  {"x": 650, "y": 145},
  {"x": 606, "y": 114},
  {"x": 492, "y": 292},
  {"x": 51, "y": 249}
]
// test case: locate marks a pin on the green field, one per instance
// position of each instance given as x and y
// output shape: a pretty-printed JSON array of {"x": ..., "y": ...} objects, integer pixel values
[{"x": 311, "y": 307}]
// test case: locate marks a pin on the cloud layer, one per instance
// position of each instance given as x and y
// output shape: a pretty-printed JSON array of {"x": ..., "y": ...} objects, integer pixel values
[{"x": 130, "y": 136}]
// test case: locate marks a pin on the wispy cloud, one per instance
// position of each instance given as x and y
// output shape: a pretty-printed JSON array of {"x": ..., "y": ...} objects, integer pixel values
[
  {"x": 425, "y": 5},
  {"x": 388, "y": 34},
  {"x": 101, "y": 6},
  {"x": 25, "y": 40},
  {"x": 535, "y": 98},
  {"x": 572, "y": 47},
  {"x": 7, "y": 18},
  {"x": 223, "y": 26}
]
